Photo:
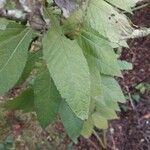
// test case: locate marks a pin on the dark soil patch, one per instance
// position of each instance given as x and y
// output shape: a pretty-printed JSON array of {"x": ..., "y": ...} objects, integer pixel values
[
  {"x": 142, "y": 17},
  {"x": 139, "y": 55},
  {"x": 132, "y": 130}
]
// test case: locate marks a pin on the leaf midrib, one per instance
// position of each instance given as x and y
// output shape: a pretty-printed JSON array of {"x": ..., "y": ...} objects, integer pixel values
[{"x": 11, "y": 56}]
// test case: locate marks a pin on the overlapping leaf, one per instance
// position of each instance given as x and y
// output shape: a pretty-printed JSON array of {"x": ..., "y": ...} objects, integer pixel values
[
  {"x": 111, "y": 89},
  {"x": 30, "y": 65},
  {"x": 99, "y": 50},
  {"x": 46, "y": 97},
  {"x": 103, "y": 17},
  {"x": 25, "y": 101},
  {"x": 104, "y": 111},
  {"x": 99, "y": 121},
  {"x": 87, "y": 128},
  {"x": 69, "y": 70},
  {"x": 95, "y": 78},
  {"x": 13, "y": 56},
  {"x": 71, "y": 122}
]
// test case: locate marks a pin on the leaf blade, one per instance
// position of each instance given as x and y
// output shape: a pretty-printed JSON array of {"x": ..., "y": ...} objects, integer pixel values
[
  {"x": 47, "y": 98},
  {"x": 25, "y": 101},
  {"x": 71, "y": 122},
  {"x": 13, "y": 57},
  {"x": 73, "y": 82}
]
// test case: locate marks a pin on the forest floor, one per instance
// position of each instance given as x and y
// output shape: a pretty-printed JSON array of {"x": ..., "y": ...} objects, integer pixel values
[{"x": 130, "y": 132}]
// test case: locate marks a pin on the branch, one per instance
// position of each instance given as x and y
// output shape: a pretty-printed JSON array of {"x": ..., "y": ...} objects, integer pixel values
[
  {"x": 26, "y": 10},
  {"x": 2, "y": 4},
  {"x": 66, "y": 6},
  {"x": 13, "y": 14},
  {"x": 137, "y": 34}
]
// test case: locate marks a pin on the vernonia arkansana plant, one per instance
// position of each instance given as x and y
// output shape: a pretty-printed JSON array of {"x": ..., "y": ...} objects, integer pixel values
[{"x": 62, "y": 54}]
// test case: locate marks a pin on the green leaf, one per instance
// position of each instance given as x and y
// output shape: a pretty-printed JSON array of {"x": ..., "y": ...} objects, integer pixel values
[
  {"x": 136, "y": 97},
  {"x": 99, "y": 121},
  {"x": 101, "y": 52},
  {"x": 124, "y": 65},
  {"x": 47, "y": 98},
  {"x": 11, "y": 29},
  {"x": 111, "y": 90},
  {"x": 13, "y": 57},
  {"x": 2, "y": 147},
  {"x": 123, "y": 4},
  {"x": 105, "y": 19},
  {"x": 30, "y": 65},
  {"x": 125, "y": 108},
  {"x": 25, "y": 101},
  {"x": 95, "y": 78},
  {"x": 71, "y": 122},
  {"x": 3, "y": 24},
  {"x": 69, "y": 70},
  {"x": 50, "y": 1},
  {"x": 112, "y": 104},
  {"x": 72, "y": 26},
  {"x": 104, "y": 111},
  {"x": 87, "y": 128},
  {"x": 111, "y": 93}
]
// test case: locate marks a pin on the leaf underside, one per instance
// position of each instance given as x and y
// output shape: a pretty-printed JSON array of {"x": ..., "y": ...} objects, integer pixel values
[{"x": 69, "y": 70}]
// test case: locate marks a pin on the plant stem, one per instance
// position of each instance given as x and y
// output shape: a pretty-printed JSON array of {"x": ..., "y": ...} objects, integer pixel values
[
  {"x": 130, "y": 98},
  {"x": 99, "y": 139},
  {"x": 140, "y": 7},
  {"x": 104, "y": 137},
  {"x": 94, "y": 145}
]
